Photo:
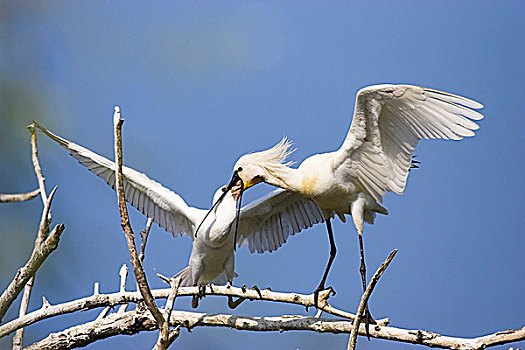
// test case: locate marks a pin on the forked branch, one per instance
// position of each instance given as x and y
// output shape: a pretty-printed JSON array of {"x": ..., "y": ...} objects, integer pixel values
[{"x": 43, "y": 247}]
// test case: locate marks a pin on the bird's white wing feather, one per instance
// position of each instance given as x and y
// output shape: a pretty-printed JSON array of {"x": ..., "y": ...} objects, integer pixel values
[
  {"x": 165, "y": 207},
  {"x": 266, "y": 224},
  {"x": 388, "y": 122}
]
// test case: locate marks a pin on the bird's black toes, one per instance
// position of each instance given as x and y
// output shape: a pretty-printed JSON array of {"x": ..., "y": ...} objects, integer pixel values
[{"x": 257, "y": 290}]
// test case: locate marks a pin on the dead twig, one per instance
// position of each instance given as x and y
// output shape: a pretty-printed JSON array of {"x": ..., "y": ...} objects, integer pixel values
[
  {"x": 364, "y": 299},
  {"x": 36, "y": 163},
  {"x": 144, "y": 239},
  {"x": 173, "y": 334},
  {"x": 123, "y": 273},
  {"x": 19, "y": 197}
]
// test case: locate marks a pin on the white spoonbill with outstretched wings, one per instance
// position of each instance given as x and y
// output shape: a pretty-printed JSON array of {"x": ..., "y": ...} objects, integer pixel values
[
  {"x": 375, "y": 157},
  {"x": 264, "y": 225}
]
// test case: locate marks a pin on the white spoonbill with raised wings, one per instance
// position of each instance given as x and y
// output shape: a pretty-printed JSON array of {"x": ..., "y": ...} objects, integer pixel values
[
  {"x": 264, "y": 224},
  {"x": 375, "y": 157}
]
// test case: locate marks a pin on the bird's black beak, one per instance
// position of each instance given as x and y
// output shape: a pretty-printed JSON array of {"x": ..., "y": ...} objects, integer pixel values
[
  {"x": 237, "y": 195},
  {"x": 234, "y": 180}
]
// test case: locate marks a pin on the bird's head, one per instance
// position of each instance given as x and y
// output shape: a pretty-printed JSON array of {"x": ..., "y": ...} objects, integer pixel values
[
  {"x": 229, "y": 192},
  {"x": 264, "y": 166}
]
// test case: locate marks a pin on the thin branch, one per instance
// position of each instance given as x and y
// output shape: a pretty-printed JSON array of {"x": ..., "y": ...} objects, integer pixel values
[
  {"x": 123, "y": 273},
  {"x": 110, "y": 300},
  {"x": 136, "y": 321},
  {"x": 167, "y": 336},
  {"x": 19, "y": 335},
  {"x": 36, "y": 163},
  {"x": 43, "y": 228},
  {"x": 140, "y": 276},
  {"x": 364, "y": 299},
  {"x": 104, "y": 313},
  {"x": 144, "y": 236},
  {"x": 43, "y": 247},
  {"x": 174, "y": 289},
  {"x": 19, "y": 197}
]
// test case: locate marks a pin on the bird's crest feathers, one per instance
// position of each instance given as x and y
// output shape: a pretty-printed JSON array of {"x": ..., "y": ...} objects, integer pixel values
[
  {"x": 271, "y": 160},
  {"x": 277, "y": 154}
]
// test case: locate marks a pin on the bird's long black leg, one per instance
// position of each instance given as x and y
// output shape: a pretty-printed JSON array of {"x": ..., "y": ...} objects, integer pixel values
[
  {"x": 202, "y": 292},
  {"x": 333, "y": 251},
  {"x": 195, "y": 299},
  {"x": 232, "y": 304},
  {"x": 362, "y": 269}
]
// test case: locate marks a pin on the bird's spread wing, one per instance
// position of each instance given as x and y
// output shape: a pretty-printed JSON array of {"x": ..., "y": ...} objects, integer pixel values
[
  {"x": 266, "y": 223},
  {"x": 165, "y": 207},
  {"x": 388, "y": 122}
]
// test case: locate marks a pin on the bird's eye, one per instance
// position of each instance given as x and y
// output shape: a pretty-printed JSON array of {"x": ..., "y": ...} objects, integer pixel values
[
  {"x": 223, "y": 189},
  {"x": 239, "y": 169}
]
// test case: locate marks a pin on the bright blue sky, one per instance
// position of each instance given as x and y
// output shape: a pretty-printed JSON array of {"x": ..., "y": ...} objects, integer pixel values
[{"x": 199, "y": 85}]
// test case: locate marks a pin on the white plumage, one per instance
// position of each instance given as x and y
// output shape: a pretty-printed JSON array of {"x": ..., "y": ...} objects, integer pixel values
[
  {"x": 264, "y": 225},
  {"x": 375, "y": 157}
]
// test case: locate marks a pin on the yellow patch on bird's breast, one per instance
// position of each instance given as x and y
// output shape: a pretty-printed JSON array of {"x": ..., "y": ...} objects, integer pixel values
[{"x": 308, "y": 184}]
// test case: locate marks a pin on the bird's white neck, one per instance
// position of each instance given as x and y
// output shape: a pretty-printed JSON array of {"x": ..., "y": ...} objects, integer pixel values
[
  {"x": 226, "y": 210},
  {"x": 286, "y": 177},
  {"x": 217, "y": 227}
]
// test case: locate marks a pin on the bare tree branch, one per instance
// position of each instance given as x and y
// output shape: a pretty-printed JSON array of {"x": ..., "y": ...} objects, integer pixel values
[
  {"x": 140, "y": 276},
  {"x": 24, "y": 273},
  {"x": 19, "y": 197},
  {"x": 174, "y": 289},
  {"x": 123, "y": 273},
  {"x": 128, "y": 323},
  {"x": 173, "y": 334},
  {"x": 43, "y": 247},
  {"x": 36, "y": 163},
  {"x": 144, "y": 236},
  {"x": 109, "y": 300},
  {"x": 364, "y": 299},
  {"x": 136, "y": 321},
  {"x": 380, "y": 331},
  {"x": 19, "y": 335}
]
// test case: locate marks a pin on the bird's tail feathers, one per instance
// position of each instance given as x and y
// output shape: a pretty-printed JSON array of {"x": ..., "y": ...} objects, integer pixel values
[
  {"x": 380, "y": 209},
  {"x": 185, "y": 277},
  {"x": 222, "y": 278},
  {"x": 370, "y": 215}
]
